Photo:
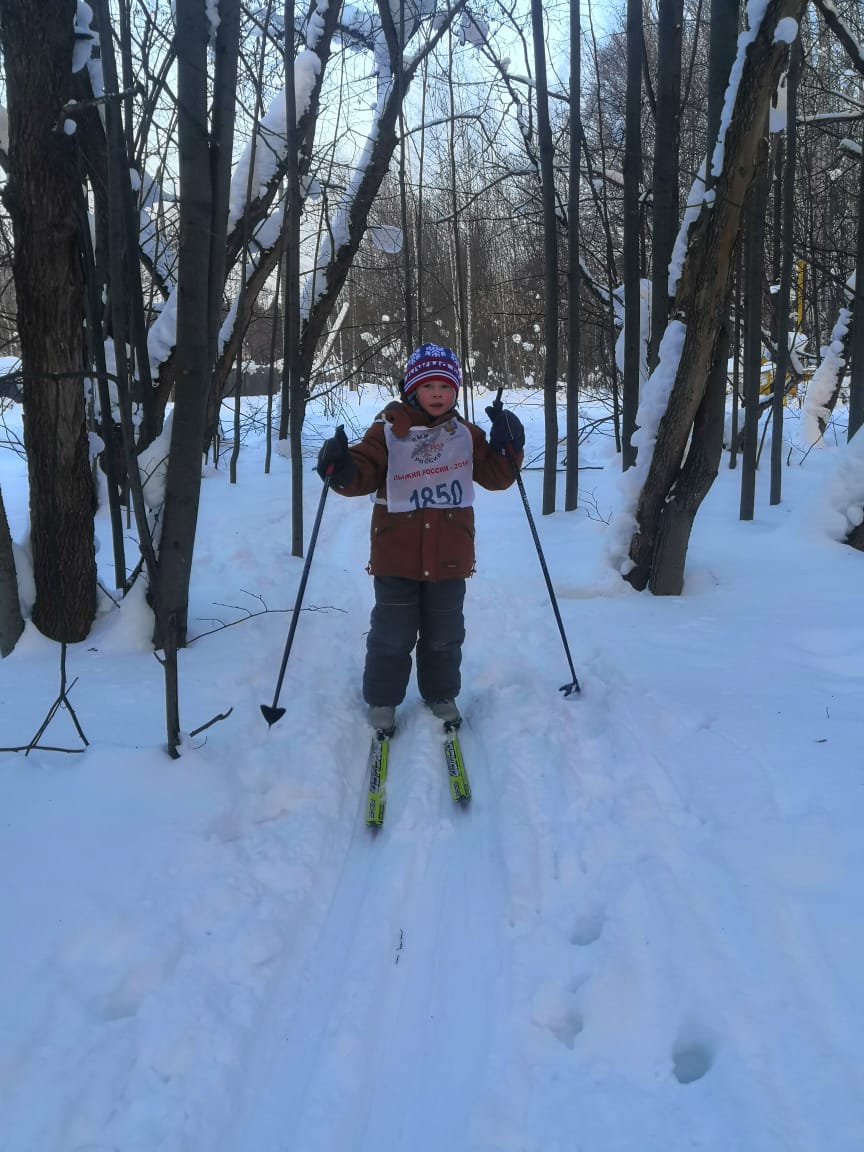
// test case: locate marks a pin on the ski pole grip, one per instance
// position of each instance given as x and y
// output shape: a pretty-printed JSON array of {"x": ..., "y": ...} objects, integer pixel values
[
  {"x": 331, "y": 466},
  {"x": 509, "y": 451}
]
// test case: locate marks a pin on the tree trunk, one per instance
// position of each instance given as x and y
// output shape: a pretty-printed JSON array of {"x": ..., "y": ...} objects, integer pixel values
[
  {"x": 418, "y": 217},
  {"x": 703, "y": 293},
  {"x": 183, "y": 481},
  {"x": 631, "y": 230},
  {"x": 407, "y": 279},
  {"x": 737, "y": 308},
  {"x": 574, "y": 271},
  {"x": 221, "y": 163},
  {"x": 665, "y": 180},
  {"x": 550, "y": 260},
  {"x": 784, "y": 298},
  {"x": 112, "y": 452},
  {"x": 125, "y": 290},
  {"x": 754, "y": 252},
  {"x": 201, "y": 234},
  {"x": 119, "y": 256},
  {"x": 706, "y": 444},
  {"x": 856, "y": 382},
  {"x": 11, "y": 621},
  {"x": 698, "y": 473},
  {"x": 296, "y": 371},
  {"x": 41, "y": 198}
]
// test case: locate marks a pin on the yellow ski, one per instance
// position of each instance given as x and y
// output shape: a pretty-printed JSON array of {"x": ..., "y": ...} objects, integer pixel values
[
  {"x": 376, "y": 800},
  {"x": 460, "y": 789}
]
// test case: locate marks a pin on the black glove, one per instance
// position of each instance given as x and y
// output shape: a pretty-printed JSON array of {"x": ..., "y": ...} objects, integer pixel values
[
  {"x": 506, "y": 434},
  {"x": 334, "y": 460}
]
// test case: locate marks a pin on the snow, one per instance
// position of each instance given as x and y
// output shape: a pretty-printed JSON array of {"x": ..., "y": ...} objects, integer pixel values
[
  {"x": 825, "y": 381},
  {"x": 842, "y": 505},
  {"x": 213, "y": 20},
  {"x": 644, "y": 932},
  {"x": 473, "y": 30},
  {"x": 270, "y": 138},
  {"x": 162, "y": 334},
  {"x": 695, "y": 199},
  {"x": 755, "y": 14},
  {"x": 786, "y": 30},
  {"x": 85, "y": 36},
  {"x": 152, "y": 199},
  {"x": 778, "y": 113},
  {"x": 153, "y": 466}
]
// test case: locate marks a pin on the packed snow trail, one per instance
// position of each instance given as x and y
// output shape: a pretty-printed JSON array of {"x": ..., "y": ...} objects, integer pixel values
[
  {"x": 379, "y": 1031},
  {"x": 389, "y": 1011},
  {"x": 500, "y": 978}
]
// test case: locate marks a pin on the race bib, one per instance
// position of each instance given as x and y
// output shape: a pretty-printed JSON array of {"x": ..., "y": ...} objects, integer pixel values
[{"x": 429, "y": 468}]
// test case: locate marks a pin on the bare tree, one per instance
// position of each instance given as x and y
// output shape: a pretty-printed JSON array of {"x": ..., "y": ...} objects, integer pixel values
[
  {"x": 193, "y": 351},
  {"x": 664, "y": 190},
  {"x": 856, "y": 386},
  {"x": 701, "y": 301},
  {"x": 42, "y": 200},
  {"x": 753, "y": 276},
  {"x": 784, "y": 300},
  {"x": 550, "y": 261},
  {"x": 574, "y": 273},
  {"x": 632, "y": 232}
]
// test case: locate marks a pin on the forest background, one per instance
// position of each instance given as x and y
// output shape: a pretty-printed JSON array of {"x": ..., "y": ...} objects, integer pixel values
[{"x": 198, "y": 194}]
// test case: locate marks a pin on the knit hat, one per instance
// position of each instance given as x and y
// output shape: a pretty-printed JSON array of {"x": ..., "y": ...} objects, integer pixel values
[{"x": 431, "y": 362}]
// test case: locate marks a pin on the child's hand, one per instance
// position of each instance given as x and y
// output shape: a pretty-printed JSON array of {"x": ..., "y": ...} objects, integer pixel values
[
  {"x": 506, "y": 434},
  {"x": 334, "y": 460}
]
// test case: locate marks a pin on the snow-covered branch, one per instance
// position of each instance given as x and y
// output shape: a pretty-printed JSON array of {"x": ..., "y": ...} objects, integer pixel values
[
  {"x": 843, "y": 32},
  {"x": 824, "y": 387}
]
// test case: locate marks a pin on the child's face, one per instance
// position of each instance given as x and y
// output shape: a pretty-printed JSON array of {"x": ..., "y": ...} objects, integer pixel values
[{"x": 435, "y": 397}]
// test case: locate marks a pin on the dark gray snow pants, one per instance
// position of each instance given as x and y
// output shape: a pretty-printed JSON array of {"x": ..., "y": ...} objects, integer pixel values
[{"x": 424, "y": 613}]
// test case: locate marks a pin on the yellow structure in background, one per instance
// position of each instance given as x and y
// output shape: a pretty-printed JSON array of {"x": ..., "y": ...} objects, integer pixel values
[
  {"x": 766, "y": 374},
  {"x": 766, "y": 381}
]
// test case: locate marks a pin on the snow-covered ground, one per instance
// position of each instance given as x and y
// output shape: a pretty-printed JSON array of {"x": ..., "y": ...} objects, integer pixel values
[{"x": 645, "y": 933}]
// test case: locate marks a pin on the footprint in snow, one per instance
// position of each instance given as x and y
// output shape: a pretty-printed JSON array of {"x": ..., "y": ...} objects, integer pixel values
[
  {"x": 588, "y": 927},
  {"x": 692, "y": 1059},
  {"x": 567, "y": 1028},
  {"x": 553, "y": 1010}
]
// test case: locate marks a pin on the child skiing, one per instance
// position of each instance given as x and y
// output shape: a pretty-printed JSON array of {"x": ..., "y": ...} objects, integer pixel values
[{"x": 421, "y": 459}]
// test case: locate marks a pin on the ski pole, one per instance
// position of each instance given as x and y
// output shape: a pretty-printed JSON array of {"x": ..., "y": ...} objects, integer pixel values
[
  {"x": 270, "y": 712},
  {"x": 573, "y": 685}
]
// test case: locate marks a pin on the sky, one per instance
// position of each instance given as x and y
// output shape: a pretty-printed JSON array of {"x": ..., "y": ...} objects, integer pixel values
[{"x": 644, "y": 932}]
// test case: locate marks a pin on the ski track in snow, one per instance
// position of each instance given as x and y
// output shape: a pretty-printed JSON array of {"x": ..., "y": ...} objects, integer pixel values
[
  {"x": 404, "y": 955},
  {"x": 496, "y": 979},
  {"x": 430, "y": 930}
]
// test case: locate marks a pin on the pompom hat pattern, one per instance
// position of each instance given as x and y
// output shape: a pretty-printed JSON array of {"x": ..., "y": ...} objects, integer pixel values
[{"x": 432, "y": 362}]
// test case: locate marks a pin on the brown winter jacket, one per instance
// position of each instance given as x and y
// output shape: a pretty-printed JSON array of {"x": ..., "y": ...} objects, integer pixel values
[{"x": 435, "y": 543}]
